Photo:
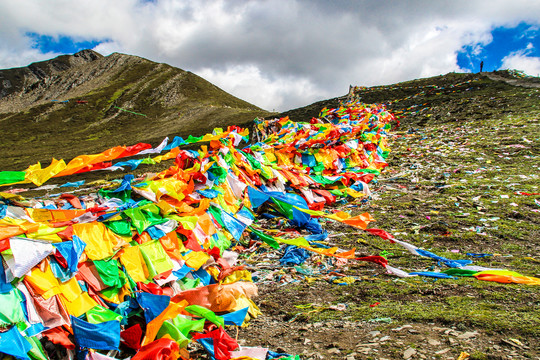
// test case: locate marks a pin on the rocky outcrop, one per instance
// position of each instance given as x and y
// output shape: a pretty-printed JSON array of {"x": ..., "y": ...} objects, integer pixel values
[{"x": 17, "y": 81}]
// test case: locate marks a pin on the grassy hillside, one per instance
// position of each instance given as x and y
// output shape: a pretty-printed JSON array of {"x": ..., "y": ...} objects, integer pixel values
[{"x": 160, "y": 101}]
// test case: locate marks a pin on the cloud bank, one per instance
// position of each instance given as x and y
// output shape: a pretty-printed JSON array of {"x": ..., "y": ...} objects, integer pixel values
[{"x": 277, "y": 54}]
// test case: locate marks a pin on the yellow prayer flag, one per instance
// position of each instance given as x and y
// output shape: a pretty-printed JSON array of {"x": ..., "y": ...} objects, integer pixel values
[
  {"x": 134, "y": 263},
  {"x": 100, "y": 241},
  {"x": 196, "y": 259}
]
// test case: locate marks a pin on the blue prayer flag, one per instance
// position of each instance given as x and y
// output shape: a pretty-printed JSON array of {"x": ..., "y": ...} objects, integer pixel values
[
  {"x": 102, "y": 336},
  {"x": 13, "y": 343},
  {"x": 73, "y": 184},
  {"x": 256, "y": 197},
  {"x": 432, "y": 274},
  {"x": 5, "y": 287},
  {"x": 236, "y": 317},
  {"x": 182, "y": 272},
  {"x": 71, "y": 251},
  {"x": 294, "y": 256},
  {"x": 126, "y": 183},
  {"x": 233, "y": 225},
  {"x": 152, "y": 304}
]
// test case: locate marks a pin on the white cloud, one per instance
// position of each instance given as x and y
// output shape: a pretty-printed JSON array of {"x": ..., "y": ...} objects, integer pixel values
[
  {"x": 520, "y": 61},
  {"x": 263, "y": 91},
  {"x": 278, "y": 54}
]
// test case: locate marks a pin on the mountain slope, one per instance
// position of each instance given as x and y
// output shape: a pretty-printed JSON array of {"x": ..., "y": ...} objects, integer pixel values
[
  {"x": 19, "y": 82},
  {"x": 86, "y": 103},
  {"x": 462, "y": 183},
  {"x": 454, "y": 96}
]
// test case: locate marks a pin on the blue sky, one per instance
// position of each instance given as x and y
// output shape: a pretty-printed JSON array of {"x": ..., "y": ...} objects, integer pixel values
[
  {"x": 61, "y": 44},
  {"x": 505, "y": 41},
  {"x": 281, "y": 54}
]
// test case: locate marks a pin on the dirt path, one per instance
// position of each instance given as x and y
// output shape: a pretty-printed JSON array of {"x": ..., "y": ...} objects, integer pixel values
[{"x": 526, "y": 83}]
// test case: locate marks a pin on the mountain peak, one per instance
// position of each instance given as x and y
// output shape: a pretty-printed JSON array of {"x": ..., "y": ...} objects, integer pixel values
[
  {"x": 16, "y": 80},
  {"x": 88, "y": 55},
  {"x": 85, "y": 102}
]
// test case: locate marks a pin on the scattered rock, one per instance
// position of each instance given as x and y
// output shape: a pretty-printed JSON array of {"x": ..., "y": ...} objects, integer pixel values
[
  {"x": 514, "y": 343},
  {"x": 364, "y": 351},
  {"x": 443, "y": 351},
  {"x": 467, "y": 335},
  {"x": 315, "y": 356},
  {"x": 364, "y": 345},
  {"x": 374, "y": 333},
  {"x": 334, "y": 351},
  {"x": 409, "y": 353},
  {"x": 433, "y": 342},
  {"x": 436, "y": 328},
  {"x": 402, "y": 327}
]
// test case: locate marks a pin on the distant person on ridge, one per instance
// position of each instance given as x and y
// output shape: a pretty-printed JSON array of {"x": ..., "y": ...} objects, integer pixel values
[{"x": 481, "y": 65}]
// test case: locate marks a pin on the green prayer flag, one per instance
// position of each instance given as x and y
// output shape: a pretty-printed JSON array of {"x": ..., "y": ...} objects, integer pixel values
[
  {"x": 145, "y": 216},
  {"x": 219, "y": 172},
  {"x": 266, "y": 238},
  {"x": 109, "y": 272},
  {"x": 110, "y": 292},
  {"x": 229, "y": 158},
  {"x": 255, "y": 164},
  {"x": 205, "y": 313},
  {"x": 120, "y": 227},
  {"x": 186, "y": 284},
  {"x": 11, "y": 310},
  {"x": 122, "y": 195},
  {"x": 222, "y": 243},
  {"x": 149, "y": 161},
  {"x": 459, "y": 272},
  {"x": 167, "y": 328},
  {"x": 322, "y": 179},
  {"x": 9, "y": 177},
  {"x": 284, "y": 208},
  {"x": 193, "y": 139},
  {"x": 186, "y": 326},
  {"x": 216, "y": 213},
  {"x": 99, "y": 314},
  {"x": 36, "y": 353},
  {"x": 156, "y": 259}
]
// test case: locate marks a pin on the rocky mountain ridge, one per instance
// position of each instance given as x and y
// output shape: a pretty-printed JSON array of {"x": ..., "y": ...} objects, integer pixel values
[
  {"x": 17, "y": 82},
  {"x": 86, "y": 103}
]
